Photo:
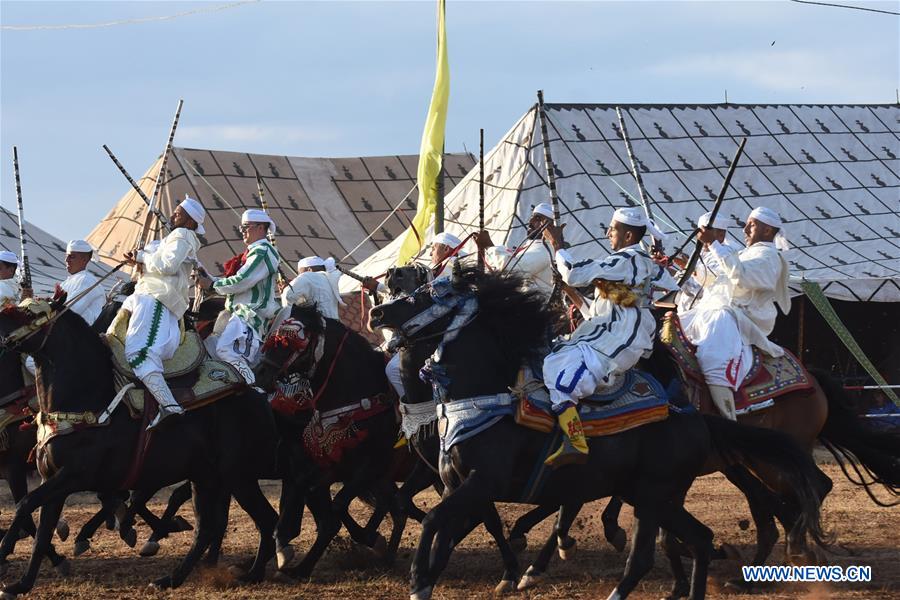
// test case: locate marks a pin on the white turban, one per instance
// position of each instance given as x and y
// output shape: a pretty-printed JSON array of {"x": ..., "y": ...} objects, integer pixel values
[
  {"x": 771, "y": 218},
  {"x": 196, "y": 212},
  {"x": 635, "y": 217},
  {"x": 543, "y": 209},
  {"x": 329, "y": 264},
  {"x": 255, "y": 215},
  {"x": 310, "y": 262},
  {"x": 447, "y": 239},
  {"x": 8, "y": 257},
  {"x": 78, "y": 246}
]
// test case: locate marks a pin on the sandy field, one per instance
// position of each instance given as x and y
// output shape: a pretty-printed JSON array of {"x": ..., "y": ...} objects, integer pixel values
[{"x": 865, "y": 534}]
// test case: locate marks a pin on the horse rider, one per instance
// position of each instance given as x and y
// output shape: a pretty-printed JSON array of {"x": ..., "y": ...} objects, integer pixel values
[
  {"x": 9, "y": 287},
  {"x": 618, "y": 329},
  {"x": 533, "y": 259},
  {"x": 250, "y": 295},
  {"x": 707, "y": 274},
  {"x": 78, "y": 256},
  {"x": 741, "y": 313},
  {"x": 334, "y": 276},
  {"x": 313, "y": 285},
  {"x": 159, "y": 300}
]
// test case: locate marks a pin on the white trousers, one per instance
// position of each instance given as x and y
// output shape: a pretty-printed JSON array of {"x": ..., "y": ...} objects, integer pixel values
[
  {"x": 239, "y": 346},
  {"x": 723, "y": 356},
  {"x": 152, "y": 335},
  {"x": 392, "y": 370},
  {"x": 575, "y": 372}
]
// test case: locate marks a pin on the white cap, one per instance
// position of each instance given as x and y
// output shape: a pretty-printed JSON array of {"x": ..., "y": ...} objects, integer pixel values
[
  {"x": 543, "y": 209},
  {"x": 78, "y": 246},
  {"x": 196, "y": 212},
  {"x": 330, "y": 263},
  {"x": 635, "y": 217},
  {"x": 703, "y": 221},
  {"x": 255, "y": 215},
  {"x": 447, "y": 239},
  {"x": 771, "y": 218},
  {"x": 8, "y": 257},
  {"x": 309, "y": 262}
]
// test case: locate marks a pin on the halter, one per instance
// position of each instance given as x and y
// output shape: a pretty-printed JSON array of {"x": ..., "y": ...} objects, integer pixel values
[
  {"x": 446, "y": 301},
  {"x": 290, "y": 333}
]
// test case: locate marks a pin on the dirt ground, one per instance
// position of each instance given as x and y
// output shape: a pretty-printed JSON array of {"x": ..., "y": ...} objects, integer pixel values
[{"x": 865, "y": 535}]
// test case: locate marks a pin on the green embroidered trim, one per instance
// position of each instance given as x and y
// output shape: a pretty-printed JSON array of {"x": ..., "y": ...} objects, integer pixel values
[
  {"x": 818, "y": 299},
  {"x": 154, "y": 330}
]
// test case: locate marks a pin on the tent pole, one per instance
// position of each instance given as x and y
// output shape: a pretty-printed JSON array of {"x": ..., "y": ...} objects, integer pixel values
[{"x": 439, "y": 201}]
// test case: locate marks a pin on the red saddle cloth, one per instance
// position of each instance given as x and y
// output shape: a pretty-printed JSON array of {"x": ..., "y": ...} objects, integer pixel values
[{"x": 768, "y": 378}]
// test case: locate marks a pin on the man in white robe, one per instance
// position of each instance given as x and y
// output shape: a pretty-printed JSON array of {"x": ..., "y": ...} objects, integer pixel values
[
  {"x": 618, "y": 329},
  {"x": 312, "y": 285},
  {"x": 707, "y": 277},
  {"x": 741, "y": 313},
  {"x": 159, "y": 300},
  {"x": 9, "y": 287},
  {"x": 78, "y": 256},
  {"x": 532, "y": 259},
  {"x": 334, "y": 276}
]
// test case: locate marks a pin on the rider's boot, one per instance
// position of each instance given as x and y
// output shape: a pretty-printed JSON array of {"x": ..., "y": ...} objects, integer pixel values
[
  {"x": 574, "y": 448},
  {"x": 723, "y": 398},
  {"x": 166, "y": 402}
]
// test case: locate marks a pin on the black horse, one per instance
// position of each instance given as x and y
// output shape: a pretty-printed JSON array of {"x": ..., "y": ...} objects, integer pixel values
[
  {"x": 222, "y": 448},
  {"x": 651, "y": 467},
  {"x": 347, "y": 381}
]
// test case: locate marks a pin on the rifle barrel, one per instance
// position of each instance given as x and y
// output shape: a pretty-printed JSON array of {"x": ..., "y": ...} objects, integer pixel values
[{"x": 26, "y": 267}]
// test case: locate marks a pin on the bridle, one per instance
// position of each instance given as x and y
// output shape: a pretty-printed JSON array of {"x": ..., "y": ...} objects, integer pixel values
[{"x": 290, "y": 333}]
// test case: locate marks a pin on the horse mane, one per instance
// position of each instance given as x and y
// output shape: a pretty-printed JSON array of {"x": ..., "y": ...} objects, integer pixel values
[
  {"x": 308, "y": 314},
  {"x": 520, "y": 318},
  {"x": 83, "y": 331}
]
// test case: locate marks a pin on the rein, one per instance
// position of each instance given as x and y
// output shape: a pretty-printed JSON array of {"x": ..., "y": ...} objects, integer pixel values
[{"x": 334, "y": 360}]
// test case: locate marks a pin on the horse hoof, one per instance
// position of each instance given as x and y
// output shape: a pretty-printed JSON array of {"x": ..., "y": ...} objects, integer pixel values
[
  {"x": 150, "y": 548},
  {"x": 423, "y": 594},
  {"x": 568, "y": 552},
  {"x": 529, "y": 580},
  {"x": 284, "y": 578},
  {"x": 379, "y": 547},
  {"x": 180, "y": 524},
  {"x": 731, "y": 553},
  {"x": 129, "y": 536},
  {"x": 62, "y": 530},
  {"x": 284, "y": 556},
  {"x": 63, "y": 568},
  {"x": 237, "y": 572},
  {"x": 744, "y": 524},
  {"x": 518, "y": 544},
  {"x": 619, "y": 539},
  {"x": 679, "y": 591},
  {"x": 81, "y": 546},
  {"x": 8, "y": 595},
  {"x": 163, "y": 583}
]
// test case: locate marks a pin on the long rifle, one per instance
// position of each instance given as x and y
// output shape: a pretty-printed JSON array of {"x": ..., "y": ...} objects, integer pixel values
[
  {"x": 154, "y": 209},
  {"x": 265, "y": 206},
  {"x": 548, "y": 162},
  {"x": 656, "y": 244},
  {"x": 157, "y": 185},
  {"x": 481, "y": 197},
  {"x": 26, "y": 268}
]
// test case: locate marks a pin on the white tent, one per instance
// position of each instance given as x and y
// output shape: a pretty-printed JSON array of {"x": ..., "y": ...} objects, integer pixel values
[{"x": 831, "y": 171}]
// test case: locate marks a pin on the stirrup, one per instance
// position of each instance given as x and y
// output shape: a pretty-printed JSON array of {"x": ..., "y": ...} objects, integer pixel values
[
  {"x": 161, "y": 414},
  {"x": 567, "y": 454}
]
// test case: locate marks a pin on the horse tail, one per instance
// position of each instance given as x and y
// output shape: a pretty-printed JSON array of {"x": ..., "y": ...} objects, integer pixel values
[
  {"x": 873, "y": 456},
  {"x": 752, "y": 447}
]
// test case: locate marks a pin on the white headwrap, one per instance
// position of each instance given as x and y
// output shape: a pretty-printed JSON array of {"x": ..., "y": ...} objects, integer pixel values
[
  {"x": 703, "y": 221},
  {"x": 78, "y": 246},
  {"x": 636, "y": 218},
  {"x": 8, "y": 257},
  {"x": 447, "y": 239},
  {"x": 543, "y": 209},
  {"x": 255, "y": 215},
  {"x": 330, "y": 264},
  {"x": 196, "y": 212},
  {"x": 310, "y": 262},
  {"x": 771, "y": 218}
]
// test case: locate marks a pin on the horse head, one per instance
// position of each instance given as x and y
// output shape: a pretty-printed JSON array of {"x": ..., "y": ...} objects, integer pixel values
[
  {"x": 291, "y": 344},
  {"x": 21, "y": 324},
  {"x": 402, "y": 281},
  {"x": 421, "y": 314}
]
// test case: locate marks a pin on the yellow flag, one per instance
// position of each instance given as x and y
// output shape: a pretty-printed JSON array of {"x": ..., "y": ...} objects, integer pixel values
[{"x": 431, "y": 149}]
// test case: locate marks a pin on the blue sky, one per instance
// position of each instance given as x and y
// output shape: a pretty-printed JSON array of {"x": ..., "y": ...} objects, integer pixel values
[{"x": 355, "y": 78}]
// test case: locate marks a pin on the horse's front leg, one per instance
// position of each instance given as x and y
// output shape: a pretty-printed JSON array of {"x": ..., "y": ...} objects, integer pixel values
[{"x": 49, "y": 516}]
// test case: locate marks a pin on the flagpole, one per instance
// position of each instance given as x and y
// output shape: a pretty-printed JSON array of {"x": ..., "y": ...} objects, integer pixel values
[{"x": 439, "y": 201}]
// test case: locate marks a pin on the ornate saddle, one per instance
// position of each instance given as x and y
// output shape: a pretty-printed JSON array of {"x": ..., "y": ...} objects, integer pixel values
[
  {"x": 195, "y": 379},
  {"x": 637, "y": 399},
  {"x": 768, "y": 378}
]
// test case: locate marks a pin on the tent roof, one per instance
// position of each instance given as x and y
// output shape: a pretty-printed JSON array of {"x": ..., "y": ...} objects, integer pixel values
[
  {"x": 46, "y": 254},
  {"x": 831, "y": 171},
  {"x": 322, "y": 206}
]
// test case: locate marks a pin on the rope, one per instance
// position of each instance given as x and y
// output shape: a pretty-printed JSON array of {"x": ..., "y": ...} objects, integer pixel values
[
  {"x": 377, "y": 227},
  {"x": 814, "y": 292}
]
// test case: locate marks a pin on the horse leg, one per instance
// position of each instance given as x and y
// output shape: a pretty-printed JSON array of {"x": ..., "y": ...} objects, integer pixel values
[
  {"x": 419, "y": 479},
  {"x": 254, "y": 503},
  {"x": 17, "y": 479},
  {"x": 460, "y": 503},
  {"x": 327, "y": 525},
  {"x": 206, "y": 502},
  {"x": 564, "y": 520},
  {"x": 760, "y": 500},
  {"x": 517, "y": 540},
  {"x": 215, "y": 546},
  {"x": 290, "y": 520},
  {"x": 614, "y": 534},
  {"x": 399, "y": 518},
  {"x": 640, "y": 559},
  {"x": 699, "y": 538},
  {"x": 83, "y": 539},
  {"x": 50, "y": 513},
  {"x": 494, "y": 526},
  {"x": 672, "y": 548},
  {"x": 169, "y": 522}
]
